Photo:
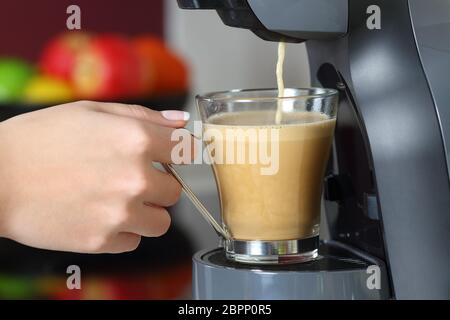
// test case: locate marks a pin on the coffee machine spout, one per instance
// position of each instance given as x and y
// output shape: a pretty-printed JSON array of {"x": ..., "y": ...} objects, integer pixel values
[
  {"x": 305, "y": 19},
  {"x": 199, "y": 4}
]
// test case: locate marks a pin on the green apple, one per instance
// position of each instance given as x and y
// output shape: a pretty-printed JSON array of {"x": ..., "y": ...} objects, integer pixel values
[{"x": 14, "y": 75}]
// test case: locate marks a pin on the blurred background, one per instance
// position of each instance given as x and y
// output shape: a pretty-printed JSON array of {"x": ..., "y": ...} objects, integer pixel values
[{"x": 146, "y": 52}]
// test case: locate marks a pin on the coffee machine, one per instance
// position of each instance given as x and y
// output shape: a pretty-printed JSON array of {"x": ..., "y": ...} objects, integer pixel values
[{"x": 387, "y": 187}]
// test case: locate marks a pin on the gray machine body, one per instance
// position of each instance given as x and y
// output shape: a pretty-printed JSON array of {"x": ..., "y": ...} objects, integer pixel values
[
  {"x": 387, "y": 189},
  {"x": 431, "y": 23},
  {"x": 343, "y": 277},
  {"x": 397, "y": 90},
  {"x": 304, "y": 19}
]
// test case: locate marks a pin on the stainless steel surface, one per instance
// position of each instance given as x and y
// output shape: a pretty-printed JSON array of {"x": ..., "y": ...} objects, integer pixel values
[
  {"x": 272, "y": 252},
  {"x": 197, "y": 203}
]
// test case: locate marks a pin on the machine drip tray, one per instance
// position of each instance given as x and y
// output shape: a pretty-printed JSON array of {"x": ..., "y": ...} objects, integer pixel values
[
  {"x": 338, "y": 273},
  {"x": 323, "y": 263}
]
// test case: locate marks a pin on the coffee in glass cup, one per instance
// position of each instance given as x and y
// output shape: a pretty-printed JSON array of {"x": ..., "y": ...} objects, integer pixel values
[{"x": 268, "y": 174}]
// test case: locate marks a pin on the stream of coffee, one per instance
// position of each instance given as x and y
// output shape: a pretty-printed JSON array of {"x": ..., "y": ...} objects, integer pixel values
[{"x": 280, "y": 81}]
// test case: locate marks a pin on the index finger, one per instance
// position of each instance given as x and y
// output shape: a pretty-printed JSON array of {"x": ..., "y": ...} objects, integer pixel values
[
  {"x": 168, "y": 118},
  {"x": 171, "y": 145}
]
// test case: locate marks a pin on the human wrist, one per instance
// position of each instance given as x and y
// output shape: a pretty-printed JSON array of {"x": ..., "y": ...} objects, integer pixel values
[{"x": 4, "y": 184}]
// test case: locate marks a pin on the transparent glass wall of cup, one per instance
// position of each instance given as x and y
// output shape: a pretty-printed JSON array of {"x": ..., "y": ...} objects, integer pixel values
[{"x": 270, "y": 205}]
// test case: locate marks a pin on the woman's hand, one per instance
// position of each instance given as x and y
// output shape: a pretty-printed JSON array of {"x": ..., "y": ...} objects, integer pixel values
[{"x": 79, "y": 177}]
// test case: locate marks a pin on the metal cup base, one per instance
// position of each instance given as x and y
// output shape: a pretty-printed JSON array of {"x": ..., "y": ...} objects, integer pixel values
[{"x": 272, "y": 252}]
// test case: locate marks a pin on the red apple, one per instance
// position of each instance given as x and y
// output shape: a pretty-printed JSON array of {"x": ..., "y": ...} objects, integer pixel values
[
  {"x": 151, "y": 52},
  {"x": 107, "y": 68},
  {"x": 164, "y": 71},
  {"x": 60, "y": 53}
]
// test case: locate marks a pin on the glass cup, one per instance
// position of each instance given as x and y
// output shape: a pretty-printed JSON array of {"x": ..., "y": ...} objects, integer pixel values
[{"x": 269, "y": 156}]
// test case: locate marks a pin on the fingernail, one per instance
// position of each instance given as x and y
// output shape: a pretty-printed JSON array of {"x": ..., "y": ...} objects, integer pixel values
[{"x": 175, "y": 115}]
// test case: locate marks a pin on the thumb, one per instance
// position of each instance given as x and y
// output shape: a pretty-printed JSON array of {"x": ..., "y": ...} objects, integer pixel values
[{"x": 168, "y": 118}]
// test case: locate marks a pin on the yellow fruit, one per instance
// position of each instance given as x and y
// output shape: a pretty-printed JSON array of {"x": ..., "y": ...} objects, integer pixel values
[{"x": 43, "y": 89}]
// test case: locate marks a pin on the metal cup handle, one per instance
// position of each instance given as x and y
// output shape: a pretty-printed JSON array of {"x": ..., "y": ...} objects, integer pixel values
[{"x": 221, "y": 232}]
